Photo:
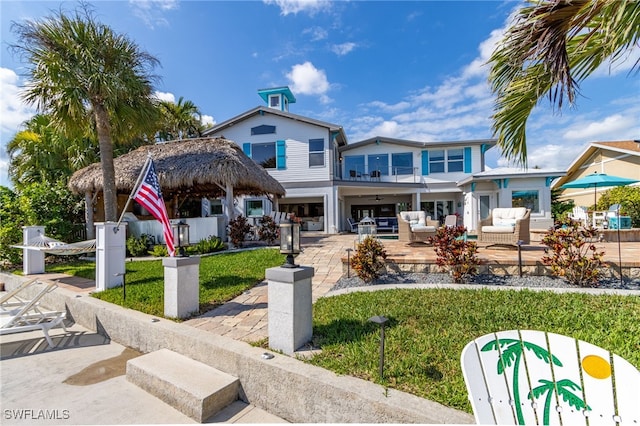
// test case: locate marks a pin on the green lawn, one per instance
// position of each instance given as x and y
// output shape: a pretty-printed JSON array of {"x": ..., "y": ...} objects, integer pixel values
[
  {"x": 428, "y": 329},
  {"x": 222, "y": 277}
]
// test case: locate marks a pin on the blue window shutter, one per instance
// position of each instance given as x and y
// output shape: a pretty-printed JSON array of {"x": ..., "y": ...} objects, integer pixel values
[
  {"x": 467, "y": 159},
  {"x": 281, "y": 157},
  {"x": 246, "y": 148},
  {"x": 425, "y": 163}
]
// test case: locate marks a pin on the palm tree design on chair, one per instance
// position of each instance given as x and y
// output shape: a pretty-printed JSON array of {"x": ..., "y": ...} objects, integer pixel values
[{"x": 512, "y": 352}]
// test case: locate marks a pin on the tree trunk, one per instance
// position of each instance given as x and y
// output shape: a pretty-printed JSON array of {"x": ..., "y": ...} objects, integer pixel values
[
  {"x": 88, "y": 215},
  {"x": 106, "y": 161}
]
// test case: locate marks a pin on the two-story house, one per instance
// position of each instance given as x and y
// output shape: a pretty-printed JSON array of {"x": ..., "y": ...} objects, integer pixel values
[{"x": 328, "y": 180}]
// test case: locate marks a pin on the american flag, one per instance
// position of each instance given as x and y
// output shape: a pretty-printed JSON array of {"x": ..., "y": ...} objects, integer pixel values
[{"x": 149, "y": 196}]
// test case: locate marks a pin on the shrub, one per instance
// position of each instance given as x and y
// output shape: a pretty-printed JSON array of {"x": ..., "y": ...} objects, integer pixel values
[
  {"x": 268, "y": 230},
  {"x": 159, "y": 250},
  {"x": 454, "y": 254},
  {"x": 570, "y": 246},
  {"x": 207, "y": 245},
  {"x": 369, "y": 259},
  {"x": 11, "y": 222},
  {"x": 138, "y": 246},
  {"x": 238, "y": 230}
]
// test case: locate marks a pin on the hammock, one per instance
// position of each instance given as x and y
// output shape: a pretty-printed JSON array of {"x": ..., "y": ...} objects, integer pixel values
[{"x": 53, "y": 246}]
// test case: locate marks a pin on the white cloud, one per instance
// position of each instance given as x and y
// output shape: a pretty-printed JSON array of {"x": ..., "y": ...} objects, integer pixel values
[
  {"x": 306, "y": 79},
  {"x": 207, "y": 120},
  {"x": 548, "y": 156},
  {"x": 151, "y": 12},
  {"x": 601, "y": 129},
  {"x": 317, "y": 33},
  {"x": 294, "y": 6},
  {"x": 393, "y": 108},
  {"x": 165, "y": 96},
  {"x": 479, "y": 67},
  {"x": 343, "y": 49},
  {"x": 13, "y": 112}
]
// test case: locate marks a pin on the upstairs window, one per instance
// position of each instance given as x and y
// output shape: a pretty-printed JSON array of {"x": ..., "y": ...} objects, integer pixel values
[
  {"x": 380, "y": 163},
  {"x": 274, "y": 101},
  {"x": 354, "y": 166},
  {"x": 263, "y": 130},
  {"x": 402, "y": 163},
  {"x": 316, "y": 152},
  {"x": 436, "y": 161},
  {"x": 455, "y": 160},
  {"x": 264, "y": 154}
]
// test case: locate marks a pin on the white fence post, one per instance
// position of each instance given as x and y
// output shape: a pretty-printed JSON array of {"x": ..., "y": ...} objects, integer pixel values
[
  {"x": 32, "y": 260},
  {"x": 111, "y": 252}
]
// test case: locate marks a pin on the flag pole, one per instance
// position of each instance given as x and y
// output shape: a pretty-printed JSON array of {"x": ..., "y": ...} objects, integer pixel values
[{"x": 143, "y": 172}]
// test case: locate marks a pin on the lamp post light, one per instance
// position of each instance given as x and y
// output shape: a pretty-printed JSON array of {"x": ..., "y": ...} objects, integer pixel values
[
  {"x": 180, "y": 236},
  {"x": 290, "y": 242},
  {"x": 519, "y": 244},
  {"x": 378, "y": 319},
  {"x": 349, "y": 250}
]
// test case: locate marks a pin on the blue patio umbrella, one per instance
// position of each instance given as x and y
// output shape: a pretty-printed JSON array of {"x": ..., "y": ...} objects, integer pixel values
[{"x": 595, "y": 180}]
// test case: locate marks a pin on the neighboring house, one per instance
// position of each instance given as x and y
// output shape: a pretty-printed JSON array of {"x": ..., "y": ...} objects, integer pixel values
[
  {"x": 328, "y": 181},
  {"x": 618, "y": 158}
]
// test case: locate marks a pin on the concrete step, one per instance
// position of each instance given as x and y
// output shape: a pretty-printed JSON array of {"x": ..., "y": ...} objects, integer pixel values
[{"x": 191, "y": 387}]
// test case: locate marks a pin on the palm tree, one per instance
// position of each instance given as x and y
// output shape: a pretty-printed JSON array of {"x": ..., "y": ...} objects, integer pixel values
[
  {"x": 551, "y": 47},
  {"x": 179, "y": 120},
  {"x": 81, "y": 69},
  {"x": 41, "y": 154}
]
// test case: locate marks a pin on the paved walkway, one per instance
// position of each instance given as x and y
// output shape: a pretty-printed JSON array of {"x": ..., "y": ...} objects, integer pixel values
[{"x": 245, "y": 317}]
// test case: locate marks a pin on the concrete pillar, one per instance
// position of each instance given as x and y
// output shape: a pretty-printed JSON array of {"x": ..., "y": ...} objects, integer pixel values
[
  {"x": 32, "y": 260},
  {"x": 110, "y": 254},
  {"x": 181, "y": 286},
  {"x": 290, "y": 307}
]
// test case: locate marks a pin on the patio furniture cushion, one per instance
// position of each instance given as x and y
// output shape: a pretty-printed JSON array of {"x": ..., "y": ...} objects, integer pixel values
[
  {"x": 423, "y": 228},
  {"x": 508, "y": 216},
  {"x": 415, "y": 218},
  {"x": 506, "y": 229},
  {"x": 505, "y": 226}
]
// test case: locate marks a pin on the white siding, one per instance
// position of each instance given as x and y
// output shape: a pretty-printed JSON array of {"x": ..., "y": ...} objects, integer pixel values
[{"x": 297, "y": 135}]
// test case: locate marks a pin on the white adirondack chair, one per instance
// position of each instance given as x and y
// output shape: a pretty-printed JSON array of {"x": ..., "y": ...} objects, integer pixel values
[
  {"x": 534, "y": 378},
  {"x": 580, "y": 214}
]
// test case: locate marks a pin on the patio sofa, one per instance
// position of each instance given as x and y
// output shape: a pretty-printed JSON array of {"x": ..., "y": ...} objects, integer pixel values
[
  {"x": 416, "y": 226},
  {"x": 505, "y": 226}
]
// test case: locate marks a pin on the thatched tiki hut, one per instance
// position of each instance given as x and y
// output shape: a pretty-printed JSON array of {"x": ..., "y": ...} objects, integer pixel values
[{"x": 189, "y": 170}]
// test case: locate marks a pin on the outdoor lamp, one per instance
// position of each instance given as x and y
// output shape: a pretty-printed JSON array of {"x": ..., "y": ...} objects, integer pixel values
[
  {"x": 290, "y": 241},
  {"x": 381, "y": 321},
  {"x": 180, "y": 236}
]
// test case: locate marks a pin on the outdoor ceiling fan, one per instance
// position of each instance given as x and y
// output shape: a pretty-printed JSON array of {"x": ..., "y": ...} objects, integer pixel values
[{"x": 378, "y": 198}]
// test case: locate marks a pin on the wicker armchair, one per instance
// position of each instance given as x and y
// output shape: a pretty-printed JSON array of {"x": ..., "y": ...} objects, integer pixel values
[
  {"x": 416, "y": 227},
  {"x": 505, "y": 226}
]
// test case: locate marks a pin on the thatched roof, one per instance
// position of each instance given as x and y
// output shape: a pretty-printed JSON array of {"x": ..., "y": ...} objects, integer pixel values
[{"x": 197, "y": 166}]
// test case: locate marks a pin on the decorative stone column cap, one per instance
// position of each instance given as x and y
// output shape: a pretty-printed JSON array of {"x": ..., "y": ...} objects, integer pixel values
[
  {"x": 289, "y": 275},
  {"x": 174, "y": 262}
]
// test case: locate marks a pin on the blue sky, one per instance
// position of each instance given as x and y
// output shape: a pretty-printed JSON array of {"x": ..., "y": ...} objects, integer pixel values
[{"x": 408, "y": 70}]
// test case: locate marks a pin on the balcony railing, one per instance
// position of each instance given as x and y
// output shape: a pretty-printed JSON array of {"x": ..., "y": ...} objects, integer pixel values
[{"x": 398, "y": 174}]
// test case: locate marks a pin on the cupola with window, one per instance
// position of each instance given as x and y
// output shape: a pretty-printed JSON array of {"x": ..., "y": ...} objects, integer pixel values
[{"x": 278, "y": 97}]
